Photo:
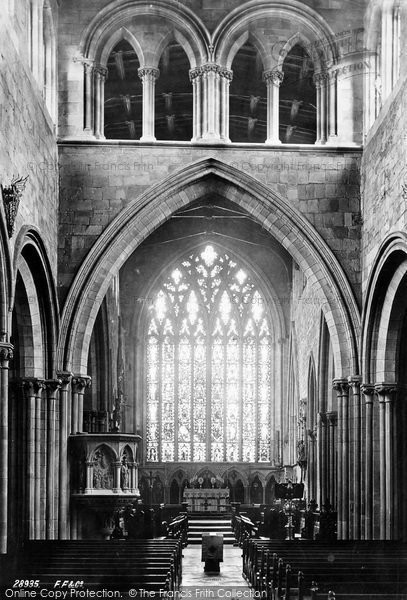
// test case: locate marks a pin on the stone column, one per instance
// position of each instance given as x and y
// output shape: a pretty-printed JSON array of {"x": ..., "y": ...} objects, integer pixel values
[
  {"x": 332, "y": 107},
  {"x": 195, "y": 76},
  {"x": 320, "y": 80},
  {"x": 29, "y": 397},
  {"x": 89, "y": 476},
  {"x": 355, "y": 444},
  {"x": 63, "y": 496},
  {"x": 6, "y": 354},
  {"x": 39, "y": 386},
  {"x": 273, "y": 79},
  {"x": 342, "y": 389},
  {"x": 226, "y": 77},
  {"x": 99, "y": 110},
  {"x": 322, "y": 458},
  {"x": 52, "y": 386},
  {"x": 332, "y": 418},
  {"x": 117, "y": 473},
  {"x": 148, "y": 76},
  {"x": 368, "y": 392},
  {"x": 88, "y": 93},
  {"x": 79, "y": 384},
  {"x": 388, "y": 490},
  {"x": 136, "y": 477}
]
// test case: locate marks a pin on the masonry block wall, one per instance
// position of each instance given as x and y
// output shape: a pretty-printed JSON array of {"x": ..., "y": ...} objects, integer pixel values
[
  {"x": 384, "y": 179},
  {"x": 98, "y": 181},
  {"x": 28, "y": 141}
]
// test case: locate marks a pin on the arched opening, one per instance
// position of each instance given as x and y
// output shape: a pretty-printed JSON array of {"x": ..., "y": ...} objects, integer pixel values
[
  {"x": 248, "y": 97},
  {"x": 123, "y": 94},
  {"x": 256, "y": 491},
  {"x": 298, "y": 113},
  {"x": 173, "y": 94},
  {"x": 175, "y": 492}
]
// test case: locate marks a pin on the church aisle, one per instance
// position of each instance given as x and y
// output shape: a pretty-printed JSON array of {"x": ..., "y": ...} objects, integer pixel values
[{"x": 228, "y": 584}]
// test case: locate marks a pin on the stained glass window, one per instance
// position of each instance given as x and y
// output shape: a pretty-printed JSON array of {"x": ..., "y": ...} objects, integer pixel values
[{"x": 208, "y": 364}]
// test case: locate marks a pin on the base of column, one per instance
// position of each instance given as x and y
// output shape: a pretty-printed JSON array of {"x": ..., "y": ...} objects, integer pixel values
[
  {"x": 332, "y": 140},
  {"x": 273, "y": 142},
  {"x": 148, "y": 138}
]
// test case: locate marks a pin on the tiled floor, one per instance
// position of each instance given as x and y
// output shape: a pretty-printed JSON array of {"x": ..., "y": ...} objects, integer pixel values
[{"x": 228, "y": 584}]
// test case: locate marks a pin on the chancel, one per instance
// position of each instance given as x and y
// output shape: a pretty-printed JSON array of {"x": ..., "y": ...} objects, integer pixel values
[{"x": 203, "y": 307}]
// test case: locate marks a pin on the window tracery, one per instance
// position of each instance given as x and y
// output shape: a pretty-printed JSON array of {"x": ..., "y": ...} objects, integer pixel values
[{"x": 208, "y": 364}]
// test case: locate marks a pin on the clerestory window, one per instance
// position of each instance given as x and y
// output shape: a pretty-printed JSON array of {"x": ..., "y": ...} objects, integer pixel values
[{"x": 208, "y": 363}]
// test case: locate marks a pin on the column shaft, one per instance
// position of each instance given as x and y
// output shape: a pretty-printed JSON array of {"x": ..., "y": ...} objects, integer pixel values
[
  {"x": 52, "y": 387},
  {"x": 88, "y": 91},
  {"x": 368, "y": 392},
  {"x": 29, "y": 397},
  {"x": 332, "y": 115},
  {"x": 39, "y": 386},
  {"x": 273, "y": 81},
  {"x": 148, "y": 76},
  {"x": 63, "y": 497},
  {"x": 6, "y": 353},
  {"x": 354, "y": 383},
  {"x": 342, "y": 388}
]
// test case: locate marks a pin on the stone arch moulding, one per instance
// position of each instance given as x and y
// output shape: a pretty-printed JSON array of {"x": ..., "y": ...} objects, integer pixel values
[
  {"x": 152, "y": 208},
  {"x": 304, "y": 17},
  {"x": 29, "y": 238},
  {"x": 119, "y": 12},
  {"x": 388, "y": 275},
  {"x": 121, "y": 34},
  {"x": 6, "y": 277}
]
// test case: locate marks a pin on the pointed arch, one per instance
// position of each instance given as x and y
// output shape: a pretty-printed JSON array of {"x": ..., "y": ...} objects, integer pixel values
[
  {"x": 121, "y": 34},
  {"x": 118, "y": 13},
  {"x": 152, "y": 208}
]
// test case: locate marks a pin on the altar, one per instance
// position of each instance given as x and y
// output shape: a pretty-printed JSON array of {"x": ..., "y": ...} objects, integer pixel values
[{"x": 211, "y": 499}]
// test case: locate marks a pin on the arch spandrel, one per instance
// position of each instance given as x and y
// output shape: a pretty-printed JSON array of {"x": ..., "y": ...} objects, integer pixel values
[
  {"x": 119, "y": 14},
  {"x": 155, "y": 206},
  {"x": 305, "y": 20}
]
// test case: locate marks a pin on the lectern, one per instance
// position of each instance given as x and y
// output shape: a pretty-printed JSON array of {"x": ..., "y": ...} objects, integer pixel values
[{"x": 212, "y": 551}]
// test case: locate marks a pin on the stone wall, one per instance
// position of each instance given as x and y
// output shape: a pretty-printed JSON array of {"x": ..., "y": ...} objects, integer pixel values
[
  {"x": 384, "y": 181},
  {"x": 28, "y": 143},
  {"x": 98, "y": 181}
]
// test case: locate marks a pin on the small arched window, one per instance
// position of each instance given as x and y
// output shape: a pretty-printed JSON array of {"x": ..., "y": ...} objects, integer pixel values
[
  {"x": 123, "y": 94},
  {"x": 208, "y": 363},
  {"x": 248, "y": 97},
  {"x": 173, "y": 94},
  {"x": 298, "y": 113}
]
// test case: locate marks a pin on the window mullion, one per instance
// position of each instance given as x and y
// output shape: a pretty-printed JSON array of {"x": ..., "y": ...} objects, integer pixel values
[
  {"x": 256, "y": 400},
  {"x": 225, "y": 390},
  {"x": 176, "y": 376},
  {"x": 208, "y": 392},
  {"x": 241, "y": 367},
  {"x": 160, "y": 398},
  {"x": 192, "y": 397}
]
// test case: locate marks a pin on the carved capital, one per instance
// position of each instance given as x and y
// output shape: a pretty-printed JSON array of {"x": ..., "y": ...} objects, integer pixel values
[
  {"x": 355, "y": 382},
  {"x": 386, "y": 391},
  {"x": 65, "y": 377},
  {"x": 368, "y": 391},
  {"x": 320, "y": 78},
  {"x": 6, "y": 353},
  {"x": 80, "y": 383},
  {"x": 100, "y": 71},
  {"x": 28, "y": 386},
  {"x": 275, "y": 76},
  {"x": 341, "y": 386},
  {"x": 148, "y": 73},
  {"x": 52, "y": 386},
  {"x": 11, "y": 200},
  {"x": 226, "y": 74}
]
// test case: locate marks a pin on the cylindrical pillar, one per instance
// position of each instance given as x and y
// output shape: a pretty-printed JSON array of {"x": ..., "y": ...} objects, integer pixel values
[
  {"x": 354, "y": 383},
  {"x": 273, "y": 80},
  {"x": 88, "y": 92},
  {"x": 89, "y": 476},
  {"x": 148, "y": 76},
  {"x": 342, "y": 389},
  {"x": 63, "y": 491},
  {"x": 226, "y": 77},
  {"x": 388, "y": 493},
  {"x": 79, "y": 384},
  {"x": 6, "y": 354},
  {"x": 332, "y": 423},
  {"x": 99, "y": 77},
  {"x": 39, "y": 386},
  {"x": 320, "y": 80},
  {"x": 368, "y": 391},
  {"x": 117, "y": 473},
  {"x": 322, "y": 458},
  {"x": 332, "y": 107},
  {"x": 29, "y": 397},
  {"x": 52, "y": 386},
  {"x": 195, "y": 76}
]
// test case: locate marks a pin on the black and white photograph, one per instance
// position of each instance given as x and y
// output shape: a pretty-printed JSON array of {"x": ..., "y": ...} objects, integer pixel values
[{"x": 203, "y": 299}]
